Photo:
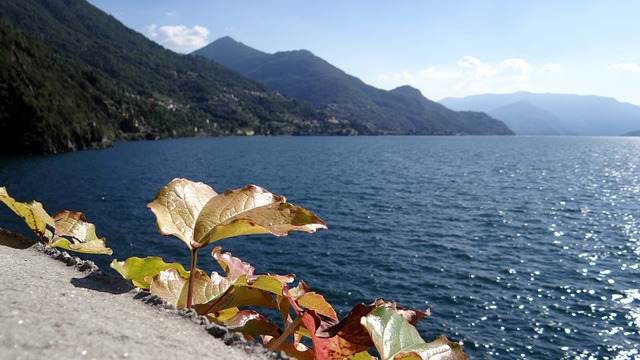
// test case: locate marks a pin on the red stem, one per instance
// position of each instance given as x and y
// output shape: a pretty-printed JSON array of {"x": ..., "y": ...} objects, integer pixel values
[
  {"x": 218, "y": 300},
  {"x": 194, "y": 259}
]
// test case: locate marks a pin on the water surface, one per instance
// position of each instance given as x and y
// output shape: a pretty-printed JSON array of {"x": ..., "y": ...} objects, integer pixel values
[{"x": 523, "y": 247}]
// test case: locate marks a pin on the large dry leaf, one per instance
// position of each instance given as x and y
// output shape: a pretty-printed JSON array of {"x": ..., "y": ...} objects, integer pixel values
[
  {"x": 198, "y": 216},
  {"x": 177, "y": 207},
  {"x": 251, "y": 210}
]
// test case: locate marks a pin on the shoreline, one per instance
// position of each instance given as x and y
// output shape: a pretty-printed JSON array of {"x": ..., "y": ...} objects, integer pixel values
[{"x": 59, "y": 306}]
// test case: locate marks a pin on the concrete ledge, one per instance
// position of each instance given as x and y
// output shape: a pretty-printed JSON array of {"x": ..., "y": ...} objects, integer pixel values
[{"x": 57, "y": 306}]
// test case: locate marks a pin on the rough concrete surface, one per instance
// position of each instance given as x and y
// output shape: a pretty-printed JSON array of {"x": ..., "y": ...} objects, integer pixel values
[{"x": 54, "y": 306}]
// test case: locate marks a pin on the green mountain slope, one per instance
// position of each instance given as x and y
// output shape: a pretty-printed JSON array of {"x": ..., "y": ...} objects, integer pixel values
[
  {"x": 46, "y": 103},
  {"x": 145, "y": 90},
  {"x": 304, "y": 76}
]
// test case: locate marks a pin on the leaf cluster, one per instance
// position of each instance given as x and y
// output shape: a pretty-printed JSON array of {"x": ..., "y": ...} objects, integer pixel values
[
  {"x": 232, "y": 299},
  {"x": 302, "y": 323},
  {"x": 198, "y": 216},
  {"x": 65, "y": 229}
]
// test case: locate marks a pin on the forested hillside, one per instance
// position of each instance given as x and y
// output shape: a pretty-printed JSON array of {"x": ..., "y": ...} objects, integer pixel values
[
  {"x": 46, "y": 103},
  {"x": 76, "y": 76}
]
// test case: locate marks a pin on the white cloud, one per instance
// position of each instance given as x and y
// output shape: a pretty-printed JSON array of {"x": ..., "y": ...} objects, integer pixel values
[
  {"x": 434, "y": 72},
  {"x": 179, "y": 38},
  {"x": 404, "y": 77},
  {"x": 630, "y": 66},
  {"x": 551, "y": 68},
  {"x": 515, "y": 66},
  {"x": 470, "y": 75},
  {"x": 473, "y": 67}
]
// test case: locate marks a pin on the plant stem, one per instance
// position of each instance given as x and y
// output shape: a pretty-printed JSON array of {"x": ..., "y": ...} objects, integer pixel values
[
  {"x": 272, "y": 346},
  {"x": 219, "y": 299},
  {"x": 194, "y": 259}
]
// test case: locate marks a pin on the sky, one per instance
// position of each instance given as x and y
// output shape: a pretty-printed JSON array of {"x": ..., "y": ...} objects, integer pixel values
[{"x": 450, "y": 48}]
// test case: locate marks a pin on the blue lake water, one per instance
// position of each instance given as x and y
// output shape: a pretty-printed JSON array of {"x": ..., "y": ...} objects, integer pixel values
[{"x": 523, "y": 247}]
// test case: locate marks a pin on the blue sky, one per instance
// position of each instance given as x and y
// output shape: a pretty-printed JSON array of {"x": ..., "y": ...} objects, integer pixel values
[{"x": 443, "y": 48}]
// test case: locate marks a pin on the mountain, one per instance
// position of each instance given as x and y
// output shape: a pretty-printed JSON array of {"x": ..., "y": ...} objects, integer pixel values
[
  {"x": 132, "y": 87},
  {"x": 554, "y": 114},
  {"x": 525, "y": 118},
  {"x": 46, "y": 103},
  {"x": 302, "y": 75}
]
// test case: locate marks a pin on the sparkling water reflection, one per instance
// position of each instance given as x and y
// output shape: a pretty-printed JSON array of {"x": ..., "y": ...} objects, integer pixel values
[{"x": 524, "y": 247}]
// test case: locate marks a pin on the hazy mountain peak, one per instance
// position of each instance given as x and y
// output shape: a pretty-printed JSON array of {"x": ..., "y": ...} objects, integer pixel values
[
  {"x": 229, "y": 50},
  {"x": 302, "y": 52},
  {"x": 563, "y": 114},
  {"x": 408, "y": 90}
]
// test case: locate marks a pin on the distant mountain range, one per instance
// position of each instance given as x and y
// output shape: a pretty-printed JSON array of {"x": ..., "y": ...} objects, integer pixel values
[
  {"x": 304, "y": 76},
  {"x": 73, "y": 77},
  {"x": 554, "y": 114}
]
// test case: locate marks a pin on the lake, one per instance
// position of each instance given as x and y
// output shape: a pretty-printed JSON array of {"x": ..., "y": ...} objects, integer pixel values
[{"x": 523, "y": 247}]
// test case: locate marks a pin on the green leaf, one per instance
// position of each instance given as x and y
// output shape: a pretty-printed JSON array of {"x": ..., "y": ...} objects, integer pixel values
[
  {"x": 248, "y": 296},
  {"x": 270, "y": 283},
  {"x": 239, "y": 293},
  {"x": 216, "y": 287},
  {"x": 364, "y": 355},
  {"x": 177, "y": 207},
  {"x": 395, "y": 338},
  {"x": 141, "y": 271},
  {"x": 66, "y": 229},
  {"x": 242, "y": 273}
]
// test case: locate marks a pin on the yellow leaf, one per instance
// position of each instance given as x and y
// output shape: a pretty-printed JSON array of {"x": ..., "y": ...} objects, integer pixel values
[{"x": 33, "y": 215}]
